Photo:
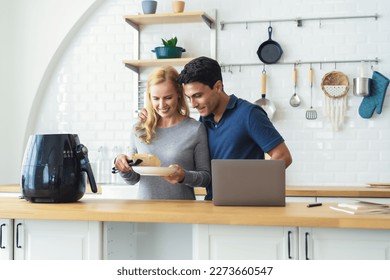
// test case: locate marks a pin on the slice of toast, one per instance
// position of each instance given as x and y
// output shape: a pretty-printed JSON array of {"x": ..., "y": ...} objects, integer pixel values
[{"x": 147, "y": 159}]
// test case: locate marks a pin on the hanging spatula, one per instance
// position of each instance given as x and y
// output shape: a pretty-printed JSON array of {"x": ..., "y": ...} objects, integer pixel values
[{"x": 311, "y": 114}]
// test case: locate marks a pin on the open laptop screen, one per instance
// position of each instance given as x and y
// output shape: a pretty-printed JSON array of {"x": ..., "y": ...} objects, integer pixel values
[{"x": 247, "y": 182}]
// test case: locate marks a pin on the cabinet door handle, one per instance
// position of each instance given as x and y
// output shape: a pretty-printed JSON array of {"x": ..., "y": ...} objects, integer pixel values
[
  {"x": 289, "y": 244},
  {"x": 1, "y": 236},
  {"x": 307, "y": 245},
  {"x": 17, "y": 235}
]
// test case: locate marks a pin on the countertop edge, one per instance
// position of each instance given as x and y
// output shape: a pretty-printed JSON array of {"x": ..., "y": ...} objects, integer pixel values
[
  {"x": 297, "y": 191},
  {"x": 189, "y": 212}
]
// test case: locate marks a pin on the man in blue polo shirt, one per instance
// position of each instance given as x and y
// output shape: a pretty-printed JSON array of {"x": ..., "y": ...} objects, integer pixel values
[{"x": 237, "y": 129}]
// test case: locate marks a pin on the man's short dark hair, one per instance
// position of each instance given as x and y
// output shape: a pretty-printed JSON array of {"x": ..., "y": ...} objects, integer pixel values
[{"x": 203, "y": 70}]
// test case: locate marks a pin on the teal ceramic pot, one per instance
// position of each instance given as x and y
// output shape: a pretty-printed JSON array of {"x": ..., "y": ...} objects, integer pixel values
[{"x": 168, "y": 52}]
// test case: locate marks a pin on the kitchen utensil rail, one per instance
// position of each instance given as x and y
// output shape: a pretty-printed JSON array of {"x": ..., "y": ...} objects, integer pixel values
[
  {"x": 298, "y": 20},
  {"x": 298, "y": 62}
]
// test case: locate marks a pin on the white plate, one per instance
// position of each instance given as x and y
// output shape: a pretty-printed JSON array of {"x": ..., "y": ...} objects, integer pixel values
[{"x": 154, "y": 171}]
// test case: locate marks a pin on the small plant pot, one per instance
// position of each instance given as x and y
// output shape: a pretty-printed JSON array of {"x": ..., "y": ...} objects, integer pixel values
[
  {"x": 149, "y": 6},
  {"x": 168, "y": 52},
  {"x": 178, "y": 6}
]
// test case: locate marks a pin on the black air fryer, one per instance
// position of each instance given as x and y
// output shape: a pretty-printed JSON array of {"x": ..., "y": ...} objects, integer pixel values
[{"x": 54, "y": 169}]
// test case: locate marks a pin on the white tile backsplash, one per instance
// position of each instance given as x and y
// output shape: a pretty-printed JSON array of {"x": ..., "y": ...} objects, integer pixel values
[{"x": 91, "y": 92}]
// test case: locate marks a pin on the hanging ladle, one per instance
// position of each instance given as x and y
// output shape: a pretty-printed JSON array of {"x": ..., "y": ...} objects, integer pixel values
[{"x": 295, "y": 101}]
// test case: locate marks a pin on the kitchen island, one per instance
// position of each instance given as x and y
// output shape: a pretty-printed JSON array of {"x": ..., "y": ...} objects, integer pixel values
[
  {"x": 124, "y": 228},
  {"x": 188, "y": 212}
]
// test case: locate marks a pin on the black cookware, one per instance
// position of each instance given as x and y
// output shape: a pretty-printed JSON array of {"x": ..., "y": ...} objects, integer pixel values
[
  {"x": 54, "y": 169},
  {"x": 269, "y": 51}
]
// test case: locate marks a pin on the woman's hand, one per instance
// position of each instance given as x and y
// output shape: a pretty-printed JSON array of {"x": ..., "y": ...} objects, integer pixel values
[
  {"x": 177, "y": 176},
  {"x": 121, "y": 163}
]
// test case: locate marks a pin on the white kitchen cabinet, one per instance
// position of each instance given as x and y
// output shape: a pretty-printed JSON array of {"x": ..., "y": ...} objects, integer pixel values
[
  {"x": 154, "y": 241},
  {"x": 147, "y": 241},
  {"x": 229, "y": 242},
  {"x": 119, "y": 241},
  {"x": 6, "y": 239},
  {"x": 343, "y": 244},
  {"x": 232, "y": 242},
  {"x": 57, "y": 240}
]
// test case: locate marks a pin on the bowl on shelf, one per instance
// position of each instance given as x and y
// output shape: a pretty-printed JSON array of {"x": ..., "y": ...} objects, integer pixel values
[
  {"x": 168, "y": 52},
  {"x": 149, "y": 6}
]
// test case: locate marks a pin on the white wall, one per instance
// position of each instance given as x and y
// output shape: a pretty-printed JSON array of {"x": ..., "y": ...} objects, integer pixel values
[
  {"x": 90, "y": 92},
  {"x": 31, "y": 33}
]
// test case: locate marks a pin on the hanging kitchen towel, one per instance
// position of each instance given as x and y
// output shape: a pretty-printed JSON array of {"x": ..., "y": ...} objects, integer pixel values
[{"x": 375, "y": 100}]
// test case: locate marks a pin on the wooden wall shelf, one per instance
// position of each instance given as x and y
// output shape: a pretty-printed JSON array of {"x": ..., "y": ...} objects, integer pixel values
[
  {"x": 136, "y": 64},
  {"x": 150, "y": 19},
  {"x": 168, "y": 18},
  {"x": 136, "y": 21}
]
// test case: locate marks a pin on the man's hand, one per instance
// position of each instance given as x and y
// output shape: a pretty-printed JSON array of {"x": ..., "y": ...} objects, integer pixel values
[
  {"x": 281, "y": 152},
  {"x": 143, "y": 115}
]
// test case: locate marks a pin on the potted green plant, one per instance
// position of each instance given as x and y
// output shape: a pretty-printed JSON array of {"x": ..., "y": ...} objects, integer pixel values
[{"x": 169, "y": 49}]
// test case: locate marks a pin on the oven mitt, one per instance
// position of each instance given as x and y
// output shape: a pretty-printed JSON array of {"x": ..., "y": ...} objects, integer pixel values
[{"x": 376, "y": 98}]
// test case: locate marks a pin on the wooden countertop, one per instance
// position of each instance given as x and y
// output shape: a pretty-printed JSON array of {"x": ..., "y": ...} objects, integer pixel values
[
  {"x": 319, "y": 191},
  {"x": 337, "y": 191},
  {"x": 329, "y": 191},
  {"x": 190, "y": 212}
]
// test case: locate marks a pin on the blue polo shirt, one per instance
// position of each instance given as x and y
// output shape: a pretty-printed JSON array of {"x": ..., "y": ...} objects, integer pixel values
[{"x": 243, "y": 132}]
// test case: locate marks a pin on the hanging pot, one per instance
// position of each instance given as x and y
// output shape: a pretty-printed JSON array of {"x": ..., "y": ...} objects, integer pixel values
[{"x": 269, "y": 51}]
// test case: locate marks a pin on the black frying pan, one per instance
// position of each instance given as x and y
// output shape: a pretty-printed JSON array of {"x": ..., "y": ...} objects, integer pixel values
[{"x": 269, "y": 51}]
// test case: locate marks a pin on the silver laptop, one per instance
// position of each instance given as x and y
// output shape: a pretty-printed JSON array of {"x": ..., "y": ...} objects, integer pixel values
[{"x": 247, "y": 182}]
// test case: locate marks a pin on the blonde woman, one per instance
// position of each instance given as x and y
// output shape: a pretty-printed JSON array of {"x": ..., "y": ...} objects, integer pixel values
[{"x": 175, "y": 138}]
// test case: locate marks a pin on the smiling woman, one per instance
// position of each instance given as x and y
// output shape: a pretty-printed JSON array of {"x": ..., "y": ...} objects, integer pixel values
[
  {"x": 170, "y": 134},
  {"x": 165, "y": 102}
]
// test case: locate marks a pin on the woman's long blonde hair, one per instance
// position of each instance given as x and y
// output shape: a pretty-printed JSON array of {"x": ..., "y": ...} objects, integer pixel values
[{"x": 146, "y": 130}]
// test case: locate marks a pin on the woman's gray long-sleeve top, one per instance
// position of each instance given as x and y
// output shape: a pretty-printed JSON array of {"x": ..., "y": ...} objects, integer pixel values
[{"x": 184, "y": 144}]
